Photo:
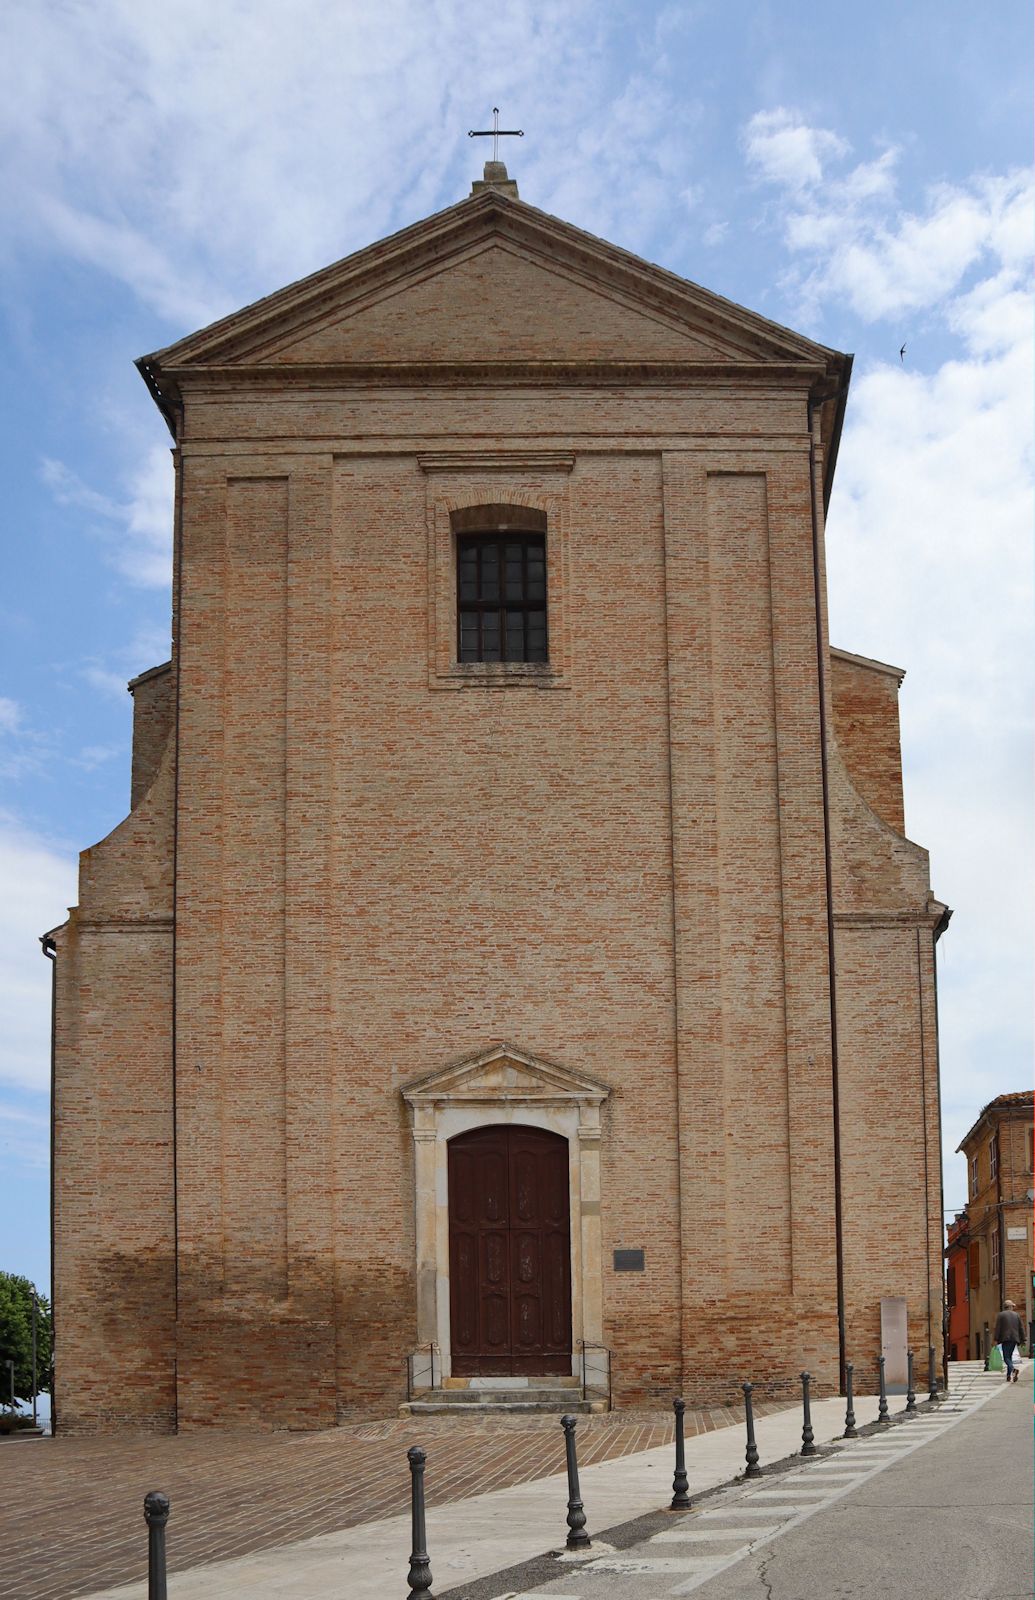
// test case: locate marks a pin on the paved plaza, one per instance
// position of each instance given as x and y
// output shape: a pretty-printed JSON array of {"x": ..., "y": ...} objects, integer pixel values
[
  {"x": 71, "y": 1518},
  {"x": 318, "y": 1516}
]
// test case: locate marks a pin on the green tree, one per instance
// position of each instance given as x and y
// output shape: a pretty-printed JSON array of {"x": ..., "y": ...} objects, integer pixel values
[{"x": 16, "y": 1295}]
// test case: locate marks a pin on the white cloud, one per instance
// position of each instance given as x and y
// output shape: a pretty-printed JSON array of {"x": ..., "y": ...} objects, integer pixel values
[
  {"x": 39, "y": 884},
  {"x": 22, "y": 748},
  {"x": 928, "y": 546},
  {"x": 861, "y": 248},
  {"x": 129, "y": 255},
  {"x": 25, "y": 1135},
  {"x": 782, "y": 148},
  {"x": 137, "y": 530},
  {"x": 202, "y": 155},
  {"x": 106, "y": 679},
  {"x": 205, "y": 155},
  {"x": 92, "y": 756},
  {"x": 933, "y": 499}
]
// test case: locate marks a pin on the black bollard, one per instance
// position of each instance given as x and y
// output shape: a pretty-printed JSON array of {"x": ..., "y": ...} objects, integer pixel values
[
  {"x": 882, "y": 1409},
  {"x": 156, "y": 1515},
  {"x": 851, "y": 1431},
  {"x": 420, "y": 1566},
  {"x": 932, "y": 1376},
  {"x": 910, "y": 1390},
  {"x": 752, "y": 1470},
  {"x": 808, "y": 1445},
  {"x": 578, "y": 1538},
  {"x": 680, "y": 1482}
]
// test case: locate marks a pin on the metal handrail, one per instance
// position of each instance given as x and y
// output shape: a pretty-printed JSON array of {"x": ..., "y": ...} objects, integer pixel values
[
  {"x": 591, "y": 1344},
  {"x": 430, "y": 1347}
]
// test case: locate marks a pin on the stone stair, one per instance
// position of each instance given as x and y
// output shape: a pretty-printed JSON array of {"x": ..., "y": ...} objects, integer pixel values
[{"x": 474, "y": 1397}]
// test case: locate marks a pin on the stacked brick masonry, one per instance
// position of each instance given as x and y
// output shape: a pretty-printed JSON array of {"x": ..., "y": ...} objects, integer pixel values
[
  {"x": 886, "y": 923},
  {"x": 864, "y": 696},
  {"x": 154, "y": 708},
  {"x": 114, "y": 1260}
]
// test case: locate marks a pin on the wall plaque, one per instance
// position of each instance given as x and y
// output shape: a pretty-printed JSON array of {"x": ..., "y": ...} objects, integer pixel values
[
  {"x": 629, "y": 1260},
  {"x": 894, "y": 1342}
]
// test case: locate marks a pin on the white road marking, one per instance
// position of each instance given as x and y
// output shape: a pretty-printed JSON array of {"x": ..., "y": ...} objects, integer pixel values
[
  {"x": 709, "y": 1533},
  {"x": 742, "y": 1511},
  {"x": 642, "y": 1566},
  {"x": 776, "y": 1493}
]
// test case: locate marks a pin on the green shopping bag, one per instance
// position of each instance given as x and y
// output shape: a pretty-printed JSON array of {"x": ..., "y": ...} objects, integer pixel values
[{"x": 995, "y": 1360}]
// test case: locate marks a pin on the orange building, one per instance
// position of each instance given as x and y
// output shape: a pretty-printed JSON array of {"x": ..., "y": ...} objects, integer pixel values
[
  {"x": 957, "y": 1293},
  {"x": 1000, "y": 1181}
]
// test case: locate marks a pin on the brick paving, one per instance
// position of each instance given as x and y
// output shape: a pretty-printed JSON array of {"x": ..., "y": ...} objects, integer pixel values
[{"x": 71, "y": 1518}]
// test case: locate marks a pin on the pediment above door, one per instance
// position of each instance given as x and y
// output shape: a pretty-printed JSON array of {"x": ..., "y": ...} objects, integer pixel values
[{"x": 504, "y": 1074}]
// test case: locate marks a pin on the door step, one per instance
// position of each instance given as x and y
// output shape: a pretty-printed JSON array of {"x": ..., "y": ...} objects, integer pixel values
[
  {"x": 478, "y": 1403},
  {"x": 559, "y": 1382},
  {"x": 471, "y": 1397}
]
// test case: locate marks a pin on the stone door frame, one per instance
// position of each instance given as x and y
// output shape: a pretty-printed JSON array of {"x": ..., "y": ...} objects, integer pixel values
[{"x": 503, "y": 1085}]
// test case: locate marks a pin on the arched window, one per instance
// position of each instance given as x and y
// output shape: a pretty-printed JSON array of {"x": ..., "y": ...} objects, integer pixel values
[{"x": 501, "y": 583}]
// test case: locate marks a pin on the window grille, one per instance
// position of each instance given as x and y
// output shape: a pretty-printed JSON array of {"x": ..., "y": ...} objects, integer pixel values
[{"x": 501, "y": 596}]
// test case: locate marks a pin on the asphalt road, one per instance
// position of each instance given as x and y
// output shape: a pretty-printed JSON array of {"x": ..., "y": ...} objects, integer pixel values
[
  {"x": 950, "y": 1521},
  {"x": 937, "y": 1507}
]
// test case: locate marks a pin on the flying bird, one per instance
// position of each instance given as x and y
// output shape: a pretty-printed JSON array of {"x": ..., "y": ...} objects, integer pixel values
[{"x": 902, "y": 355}]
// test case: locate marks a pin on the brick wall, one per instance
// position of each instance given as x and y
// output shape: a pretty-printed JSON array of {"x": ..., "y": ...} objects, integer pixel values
[
  {"x": 114, "y": 1231},
  {"x": 865, "y": 701},
  {"x": 153, "y": 710},
  {"x": 383, "y": 865}
]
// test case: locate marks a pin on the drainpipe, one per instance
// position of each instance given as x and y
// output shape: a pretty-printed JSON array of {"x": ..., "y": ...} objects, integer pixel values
[
  {"x": 1000, "y": 1217},
  {"x": 827, "y": 857},
  {"x": 50, "y": 951}
]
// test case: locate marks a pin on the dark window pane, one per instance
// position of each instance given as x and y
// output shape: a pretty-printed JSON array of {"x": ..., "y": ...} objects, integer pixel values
[
  {"x": 490, "y": 584},
  {"x": 490, "y": 636},
  {"x": 469, "y": 573},
  {"x": 515, "y": 581},
  {"x": 535, "y": 636},
  {"x": 515, "y": 636},
  {"x": 501, "y": 597},
  {"x": 469, "y": 636}
]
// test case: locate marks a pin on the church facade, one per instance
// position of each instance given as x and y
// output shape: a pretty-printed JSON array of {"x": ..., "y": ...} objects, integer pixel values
[{"x": 513, "y": 956}]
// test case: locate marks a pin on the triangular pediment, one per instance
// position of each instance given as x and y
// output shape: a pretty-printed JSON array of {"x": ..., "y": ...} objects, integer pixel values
[
  {"x": 507, "y": 1075},
  {"x": 490, "y": 280},
  {"x": 492, "y": 303}
]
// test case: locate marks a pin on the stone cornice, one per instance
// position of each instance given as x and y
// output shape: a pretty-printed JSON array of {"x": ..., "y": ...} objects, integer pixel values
[
  {"x": 218, "y": 378},
  {"x": 930, "y": 917},
  {"x": 496, "y": 461}
]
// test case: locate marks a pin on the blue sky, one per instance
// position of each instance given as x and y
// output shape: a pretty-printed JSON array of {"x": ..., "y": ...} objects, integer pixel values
[{"x": 859, "y": 173}]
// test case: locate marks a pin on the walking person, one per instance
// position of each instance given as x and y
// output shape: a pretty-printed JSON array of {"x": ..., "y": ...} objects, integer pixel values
[{"x": 1008, "y": 1334}]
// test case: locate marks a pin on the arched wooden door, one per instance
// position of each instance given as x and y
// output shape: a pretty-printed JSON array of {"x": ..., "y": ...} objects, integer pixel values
[{"x": 509, "y": 1253}]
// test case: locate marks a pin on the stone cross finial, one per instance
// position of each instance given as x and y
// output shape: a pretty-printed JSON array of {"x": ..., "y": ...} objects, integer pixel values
[
  {"x": 496, "y": 133},
  {"x": 495, "y": 174}
]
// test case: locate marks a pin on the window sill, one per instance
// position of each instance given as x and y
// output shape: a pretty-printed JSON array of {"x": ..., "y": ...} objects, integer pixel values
[{"x": 502, "y": 675}]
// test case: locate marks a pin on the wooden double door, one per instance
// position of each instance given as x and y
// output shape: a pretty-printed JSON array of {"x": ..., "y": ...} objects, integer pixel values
[{"x": 509, "y": 1253}]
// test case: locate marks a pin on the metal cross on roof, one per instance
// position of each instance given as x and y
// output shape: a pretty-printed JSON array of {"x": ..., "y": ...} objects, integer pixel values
[{"x": 495, "y": 133}]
